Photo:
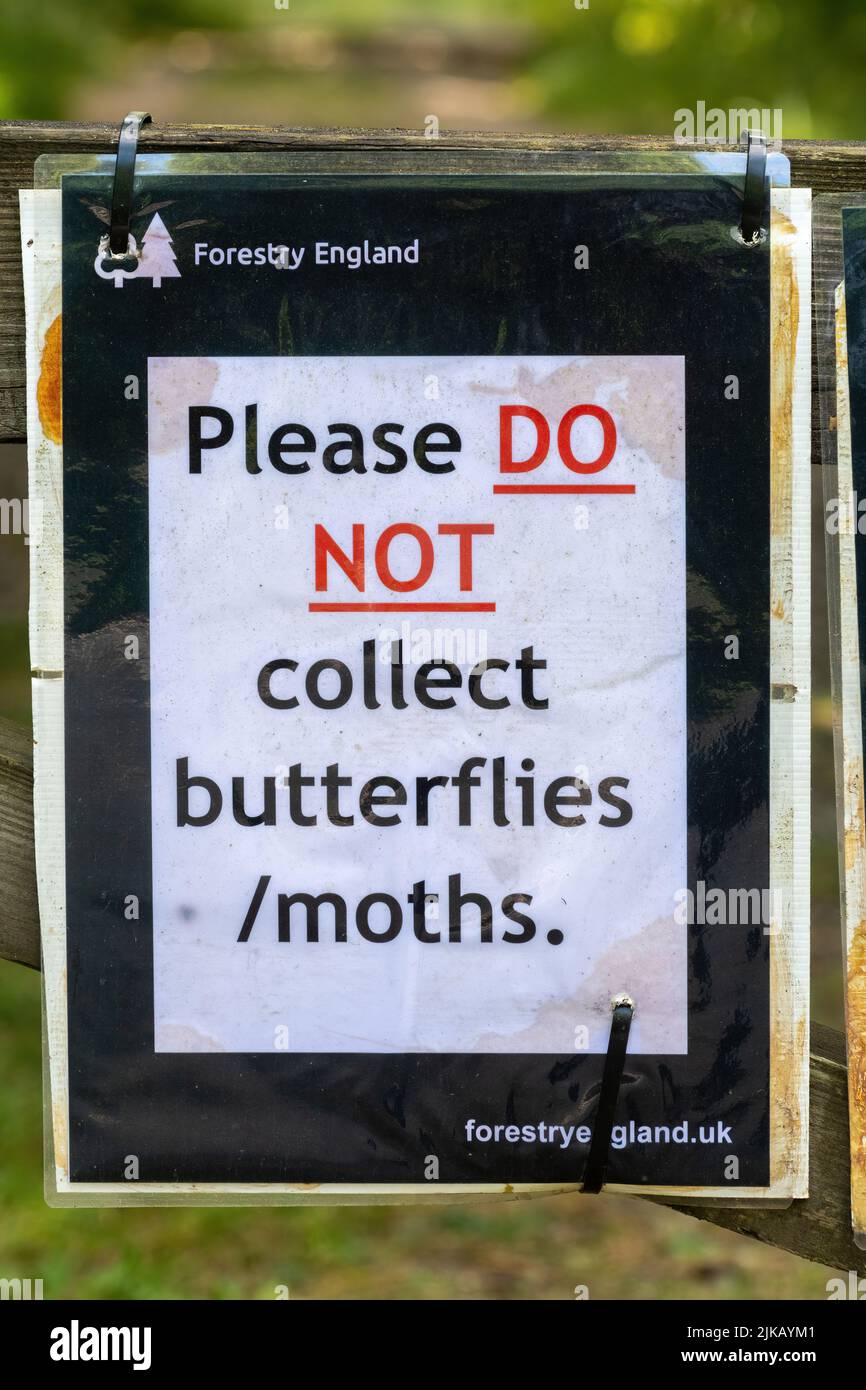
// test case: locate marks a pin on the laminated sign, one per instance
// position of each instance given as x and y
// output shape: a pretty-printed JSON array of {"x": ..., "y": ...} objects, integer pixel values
[
  {"x": 841, "y": 323},
  {"x": 421, "y": 669}
]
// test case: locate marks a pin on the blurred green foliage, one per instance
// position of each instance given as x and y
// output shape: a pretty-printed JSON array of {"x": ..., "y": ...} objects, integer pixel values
[
  {"x": 615, "y": 65},
  {"x": 644, "y": 58},
  {"x": 50, "y": 48}
]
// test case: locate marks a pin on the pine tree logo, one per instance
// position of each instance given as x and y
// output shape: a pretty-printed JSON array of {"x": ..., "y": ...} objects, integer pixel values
[{"x": 156, "y": 260}]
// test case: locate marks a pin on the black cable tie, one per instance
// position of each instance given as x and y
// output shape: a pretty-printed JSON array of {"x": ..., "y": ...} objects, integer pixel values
[
  {"x": 617, "y": 1046},
  {"x": 754, "y": 191},
  {"x": 124, "y": 173}
]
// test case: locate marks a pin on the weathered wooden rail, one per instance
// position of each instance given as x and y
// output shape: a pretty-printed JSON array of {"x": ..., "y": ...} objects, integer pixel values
[
  {"x": 824, "y": 167},
  {"x": 818, "y": 1228}
]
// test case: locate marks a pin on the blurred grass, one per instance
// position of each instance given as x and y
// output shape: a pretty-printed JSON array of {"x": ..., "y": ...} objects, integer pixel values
[{"x": 14, "y": 674}]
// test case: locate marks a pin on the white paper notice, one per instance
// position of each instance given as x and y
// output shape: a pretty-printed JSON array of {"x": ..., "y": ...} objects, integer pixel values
[{"x": 467, "y": 857}]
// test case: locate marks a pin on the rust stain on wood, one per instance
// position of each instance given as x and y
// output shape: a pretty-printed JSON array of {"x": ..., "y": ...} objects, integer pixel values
[
  {"x": 48, "y": 386},
  {"x": 786, "y": 317},
  {"x": 790, "y": 1023},
  {"x": 854, "y": 840},
  {"x": 61, "y": 1152},
  {"x": 855, "y": 1009},
  {"x": 857, "y": 1052}
]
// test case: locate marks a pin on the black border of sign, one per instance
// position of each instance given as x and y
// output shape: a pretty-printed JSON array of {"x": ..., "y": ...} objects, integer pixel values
[
  {"x": 668, "y": 277},
  {"x": 854, "y": 258}
]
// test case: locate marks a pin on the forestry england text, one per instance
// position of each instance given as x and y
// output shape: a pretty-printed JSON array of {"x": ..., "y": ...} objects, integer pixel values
[{"x": 321, "y": 253}]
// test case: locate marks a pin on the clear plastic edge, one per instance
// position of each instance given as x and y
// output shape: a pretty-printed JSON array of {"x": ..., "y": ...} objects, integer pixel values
[
  {"x": 49, "y": 169},
  {"x": 840, "y": 524}
]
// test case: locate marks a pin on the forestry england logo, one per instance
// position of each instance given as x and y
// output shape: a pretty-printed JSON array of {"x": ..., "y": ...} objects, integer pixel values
[{"x": 154, "y": 262}]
